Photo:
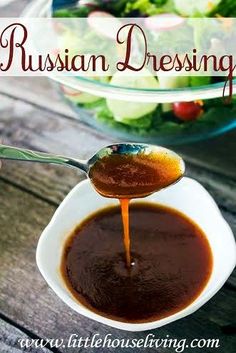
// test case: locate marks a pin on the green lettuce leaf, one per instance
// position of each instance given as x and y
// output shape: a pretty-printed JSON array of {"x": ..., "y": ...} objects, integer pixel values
[
  {"x": 226, "y": 8},
  {"x": 148, "y": 7},
  {"x": 199, "y": 80},
  {"x": 81, "y": 11}
]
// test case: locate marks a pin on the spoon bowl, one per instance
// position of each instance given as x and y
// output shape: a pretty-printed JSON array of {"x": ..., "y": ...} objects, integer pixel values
[
  {"x": 123, "y": 156},
  {"x": 128, "y": 170}
]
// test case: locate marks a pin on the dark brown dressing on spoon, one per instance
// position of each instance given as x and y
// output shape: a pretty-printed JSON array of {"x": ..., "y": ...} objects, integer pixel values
[
  {"x": 136, "y": 175},
  {"x": 171, "y": 263}
]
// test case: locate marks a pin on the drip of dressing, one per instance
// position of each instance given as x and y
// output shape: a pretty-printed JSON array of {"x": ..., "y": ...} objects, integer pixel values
[
  {"x": 124, "y": 203},
  {"x": 128, "y": 176}
]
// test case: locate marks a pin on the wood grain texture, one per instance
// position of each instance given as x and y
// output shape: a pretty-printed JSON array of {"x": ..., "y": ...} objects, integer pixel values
[
  {"x": 23, "y": 123},
  {"x": 38, "y": 91},
  {"x": 10, "y": 337}
]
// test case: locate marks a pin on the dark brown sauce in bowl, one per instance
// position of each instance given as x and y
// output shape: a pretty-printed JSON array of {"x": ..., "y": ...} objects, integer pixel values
[{"x": 171, "y": 262}]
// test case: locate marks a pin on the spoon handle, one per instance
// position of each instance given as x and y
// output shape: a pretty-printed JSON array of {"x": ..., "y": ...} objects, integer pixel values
[{"x": 20, "y": 154}]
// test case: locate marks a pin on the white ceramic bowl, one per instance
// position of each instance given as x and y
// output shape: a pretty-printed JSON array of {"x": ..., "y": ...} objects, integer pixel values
[{"x": 188, "y": 196}]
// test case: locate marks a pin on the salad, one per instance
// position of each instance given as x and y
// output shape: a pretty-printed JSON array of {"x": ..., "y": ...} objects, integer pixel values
[{"x": 153, "y": 119}]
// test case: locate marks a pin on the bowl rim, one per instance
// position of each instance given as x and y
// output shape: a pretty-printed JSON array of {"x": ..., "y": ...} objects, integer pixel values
[
  {"x": 42, "y": 8},
  {"x": 57, "y": 284}
]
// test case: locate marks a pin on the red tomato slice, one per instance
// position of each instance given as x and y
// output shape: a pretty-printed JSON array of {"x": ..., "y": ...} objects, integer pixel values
[{"x": 187, "y": 111}]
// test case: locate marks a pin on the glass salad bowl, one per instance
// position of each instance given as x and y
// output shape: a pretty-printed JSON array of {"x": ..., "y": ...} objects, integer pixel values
[{"x": 167, "y": 114}]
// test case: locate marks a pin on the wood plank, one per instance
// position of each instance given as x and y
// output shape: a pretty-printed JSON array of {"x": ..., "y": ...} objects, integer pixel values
[
  {"x": 223, "y": 303},
  {"x": 217, "y": 154},
  {"x": 221, "y": 188},
  {"x": 21, "y": 122},
  {"x": 38, "y": 91},
  {"x": 10, "y": 337}
]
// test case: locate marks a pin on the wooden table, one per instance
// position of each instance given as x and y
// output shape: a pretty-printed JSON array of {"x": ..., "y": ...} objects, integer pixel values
[{"x": 33, "y": 116}]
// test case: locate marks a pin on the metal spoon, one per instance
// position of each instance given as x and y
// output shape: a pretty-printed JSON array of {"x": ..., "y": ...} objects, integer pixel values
[{"x": 14, "y": 153}]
